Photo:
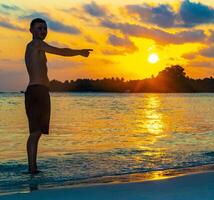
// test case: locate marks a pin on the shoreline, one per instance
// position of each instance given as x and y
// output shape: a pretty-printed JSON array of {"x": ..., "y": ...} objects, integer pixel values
[
  {"x": 136, "y": 178},
  {"x": 195, "y": 186},
  {"x": 139, "y": 177}
]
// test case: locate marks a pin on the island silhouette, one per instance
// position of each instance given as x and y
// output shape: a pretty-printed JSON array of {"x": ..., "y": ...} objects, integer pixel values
[{"x": 172, "y": 79}]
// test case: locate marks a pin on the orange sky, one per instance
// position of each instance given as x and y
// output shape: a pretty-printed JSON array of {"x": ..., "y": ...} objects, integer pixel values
[{"x": 123, "y": 35}]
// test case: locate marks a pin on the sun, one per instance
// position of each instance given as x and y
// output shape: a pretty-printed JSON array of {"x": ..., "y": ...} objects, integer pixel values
[{"x": 153, "y": 58}]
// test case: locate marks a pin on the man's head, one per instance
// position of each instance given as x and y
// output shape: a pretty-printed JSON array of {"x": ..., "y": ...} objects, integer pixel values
[{"x": 38, "y": 28}]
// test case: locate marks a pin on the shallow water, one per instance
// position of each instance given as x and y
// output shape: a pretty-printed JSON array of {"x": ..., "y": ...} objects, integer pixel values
[{"x": 93, "y": 135}]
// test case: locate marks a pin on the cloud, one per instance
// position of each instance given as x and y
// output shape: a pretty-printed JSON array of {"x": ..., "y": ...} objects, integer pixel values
[
  {"x": 211, "y": 37},
  {"x": 110, "y": 24},
  {"x": 193, "y": 13},
  {"x": 13, "y": 80},
  {"x": 158, "y": 35},
  {"x": 113, "y": 52},
  {"x": 201, "y": 64},
  {"x": 76, "y": 12},
  {"x": 208, "y": 52},
  {"x": 53, "y": 24},
  {"x": 189, "y": 56},
  {"x": 122, "y": 42},
  {"x": 161, "y": 15},
  {"x": 58, "y": 44},
  {"x": 189, "y": 14},
  {"x": 94, "y": 9},
  {"x": 59, "y": 64},
  {"x": 122, "y": 45},
  {"x": 8, "y": 25},
  {"x": 191, "y": 36},
  {"x": 90, "y": 39},
  {"x": 106, "y": 61},
  {"x": 10, "y": 7}
]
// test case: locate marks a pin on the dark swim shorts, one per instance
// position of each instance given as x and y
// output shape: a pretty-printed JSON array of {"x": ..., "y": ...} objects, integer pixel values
[{"x": 37, "y": 105}]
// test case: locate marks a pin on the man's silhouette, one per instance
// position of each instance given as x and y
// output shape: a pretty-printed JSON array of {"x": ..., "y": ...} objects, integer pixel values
[{"x": 37, "y": 98}]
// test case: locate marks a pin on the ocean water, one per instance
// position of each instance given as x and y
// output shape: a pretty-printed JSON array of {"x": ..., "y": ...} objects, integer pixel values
[{"x": 96, "y": 135}]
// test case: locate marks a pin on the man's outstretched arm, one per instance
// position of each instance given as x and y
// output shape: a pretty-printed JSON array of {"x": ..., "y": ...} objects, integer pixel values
[{"x": 41, "y": 45}]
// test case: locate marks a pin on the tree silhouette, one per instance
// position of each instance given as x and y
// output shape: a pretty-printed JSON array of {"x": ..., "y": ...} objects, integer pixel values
[{"x": 171, "y": 79}]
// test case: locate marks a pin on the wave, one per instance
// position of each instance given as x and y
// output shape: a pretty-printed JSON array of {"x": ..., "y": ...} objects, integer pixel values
[{"x": 90, "y": 168}]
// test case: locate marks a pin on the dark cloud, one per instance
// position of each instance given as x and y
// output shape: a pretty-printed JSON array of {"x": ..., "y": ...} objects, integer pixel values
[
  {"x": 8, "y": 25},
  {"x": 162, "y": 15},
  {"x": 191, "y": 36},
  {"x": 193, "y": 13},
  {"x": 110, "y": 24},
  {"x": 122, "y": 42},
  {"x": 94, "y": 9},
  {"x": 207, "y": 52},
  {"x": 190, "y": 14},
  {"x": 53, "y": 24},
  {"x": 158, "y": 35}
]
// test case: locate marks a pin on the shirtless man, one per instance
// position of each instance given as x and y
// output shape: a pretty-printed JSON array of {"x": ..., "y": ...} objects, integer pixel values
[{"x": 37, "y": 98}]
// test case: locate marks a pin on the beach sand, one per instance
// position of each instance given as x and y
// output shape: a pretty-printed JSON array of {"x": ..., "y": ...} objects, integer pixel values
[{"x": 197, "y": 186}]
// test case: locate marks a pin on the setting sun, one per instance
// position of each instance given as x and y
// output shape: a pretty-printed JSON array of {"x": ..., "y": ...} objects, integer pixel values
[{"x": 153, "y": 58}]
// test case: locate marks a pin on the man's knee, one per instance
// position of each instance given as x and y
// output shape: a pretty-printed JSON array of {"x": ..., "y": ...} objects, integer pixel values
[{"x": 35, "y": 135}]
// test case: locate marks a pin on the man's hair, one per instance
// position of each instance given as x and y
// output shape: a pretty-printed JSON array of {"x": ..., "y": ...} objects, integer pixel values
[{"x": 36, "y": 20}]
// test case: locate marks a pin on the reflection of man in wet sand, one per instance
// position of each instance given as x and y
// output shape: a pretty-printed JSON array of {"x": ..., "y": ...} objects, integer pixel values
[{"x": 37, "y": 99}]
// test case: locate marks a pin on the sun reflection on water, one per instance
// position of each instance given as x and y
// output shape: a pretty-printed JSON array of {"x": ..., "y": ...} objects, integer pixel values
[
  {"x": 158, "y": 175},
  {"x": 151, "y": 128},
  {"x": 154, "y": 123}
]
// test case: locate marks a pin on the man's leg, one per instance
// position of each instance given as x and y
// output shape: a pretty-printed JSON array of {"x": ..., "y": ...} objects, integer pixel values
[{"x": 32, "y": 145}]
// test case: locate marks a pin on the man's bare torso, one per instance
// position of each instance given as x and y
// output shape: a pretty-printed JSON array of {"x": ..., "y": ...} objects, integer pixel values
[{"x": 36, "y": 63}]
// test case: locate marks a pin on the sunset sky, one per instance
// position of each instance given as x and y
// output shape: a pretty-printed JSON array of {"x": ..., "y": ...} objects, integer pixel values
[{"x": 123, "y": 35}]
